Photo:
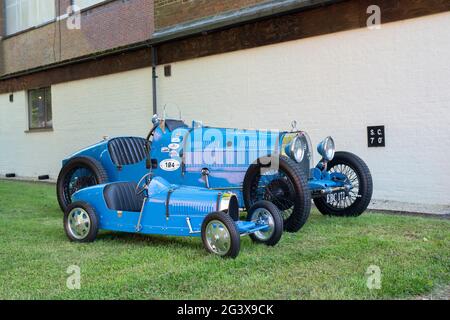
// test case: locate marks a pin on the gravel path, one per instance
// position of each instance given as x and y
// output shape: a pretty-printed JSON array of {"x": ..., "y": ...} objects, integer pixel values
[{"x": 441, "y": 293}]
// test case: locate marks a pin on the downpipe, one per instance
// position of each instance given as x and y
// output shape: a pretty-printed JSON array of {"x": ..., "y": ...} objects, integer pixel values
[{"x": 154, "y": 78}]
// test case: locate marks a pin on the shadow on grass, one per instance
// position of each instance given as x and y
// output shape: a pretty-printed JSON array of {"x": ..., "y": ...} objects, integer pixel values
[{"x": 151, "y": 240}]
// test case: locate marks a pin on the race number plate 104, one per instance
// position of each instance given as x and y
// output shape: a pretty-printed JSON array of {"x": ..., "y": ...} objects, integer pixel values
[{"x": 169, "y": 165}]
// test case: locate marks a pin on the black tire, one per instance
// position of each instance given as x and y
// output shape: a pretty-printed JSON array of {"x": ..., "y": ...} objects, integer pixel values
[
  {"x": 365, "y": 190},
  {"x": 277, "y": 220},
  {"x": 235, "y": 239},
  {"x": 62, "y": 185},
  {"x": 93, "y": 227},
  {"x": 299, "y": 197}
]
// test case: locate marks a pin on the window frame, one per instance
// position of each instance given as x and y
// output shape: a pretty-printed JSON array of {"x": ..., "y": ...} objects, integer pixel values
[
  {"x": 98, "y": 3},
  {"x": 19, "y": 29},
  {"x": 47, "y": 102}
]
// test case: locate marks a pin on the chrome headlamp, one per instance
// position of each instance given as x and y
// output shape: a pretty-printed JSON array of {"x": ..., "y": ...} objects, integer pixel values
[
  {"x": 295, "y": 149},
  {"x": 327, "y": 148}
]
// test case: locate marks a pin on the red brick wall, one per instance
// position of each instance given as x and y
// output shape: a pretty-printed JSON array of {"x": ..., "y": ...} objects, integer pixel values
[
  {"x": 171, "y": 12},
  {"x": 63, "y": 4},
  {"x": 110, "y": 25}
]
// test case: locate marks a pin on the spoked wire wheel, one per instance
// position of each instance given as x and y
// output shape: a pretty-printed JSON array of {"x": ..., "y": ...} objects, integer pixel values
[
  {"x": 285, "y": 186},
  {"x": 77, "y": 179},
  {"x": 353, "y": 194},
  {"x": 276, "y": 187},
  {"x": 356, "y": 201},
  {"x": 78, "y": 173}
]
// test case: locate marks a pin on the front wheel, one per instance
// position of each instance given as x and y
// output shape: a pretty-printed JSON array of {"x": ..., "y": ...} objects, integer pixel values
[
  {"x": 283, "y": 184},
  {"x": 266, "y": 213},
  {"x": 358, "y": 198},
  {"x": 220, "y": 235},
  {"x": 80, "y": 222}
]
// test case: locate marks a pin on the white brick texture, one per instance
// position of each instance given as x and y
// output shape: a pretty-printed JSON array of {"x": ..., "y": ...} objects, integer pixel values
[{"x": 83, "y": 112}]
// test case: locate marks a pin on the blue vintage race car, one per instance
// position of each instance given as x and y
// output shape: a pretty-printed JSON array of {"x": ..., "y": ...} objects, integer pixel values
[
  {"x": 154, "y": 206},
  {"x": 253, "y": 164}
]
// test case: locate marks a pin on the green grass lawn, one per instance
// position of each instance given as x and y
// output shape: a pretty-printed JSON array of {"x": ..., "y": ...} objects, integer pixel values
[{"x": 328, "y": 258}]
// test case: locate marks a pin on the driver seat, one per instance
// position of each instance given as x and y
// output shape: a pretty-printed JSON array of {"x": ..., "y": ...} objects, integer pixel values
[{"x": 121, "y": 196}]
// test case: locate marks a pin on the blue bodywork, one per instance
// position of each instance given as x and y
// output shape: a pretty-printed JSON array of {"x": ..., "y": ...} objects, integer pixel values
[
  {"x": 182, "y": 216},
  {"x": 180, "y": 154}
]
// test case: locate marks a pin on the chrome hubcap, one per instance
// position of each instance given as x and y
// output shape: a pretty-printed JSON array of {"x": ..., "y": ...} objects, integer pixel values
[
  {"x": 263, "y": 216},
  {"x": 218, "y": 237},
  {"x": 79, "y": 223}
]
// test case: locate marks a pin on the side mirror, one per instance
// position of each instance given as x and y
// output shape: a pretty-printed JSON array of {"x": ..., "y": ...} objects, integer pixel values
[{"x": 155, "y": 119}]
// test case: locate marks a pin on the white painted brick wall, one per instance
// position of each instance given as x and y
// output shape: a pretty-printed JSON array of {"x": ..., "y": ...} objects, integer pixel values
[
  {"x": 83, "y": 112},
  {"x": 336, "y": 84}
]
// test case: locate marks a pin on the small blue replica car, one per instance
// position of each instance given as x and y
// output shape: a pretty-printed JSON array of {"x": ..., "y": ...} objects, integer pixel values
[
  {"x": 154, "y": 206},
  {"x": 255, "y": 165}
]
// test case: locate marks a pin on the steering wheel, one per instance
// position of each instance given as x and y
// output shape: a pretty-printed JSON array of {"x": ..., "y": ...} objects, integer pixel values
[
  {"x": 143, "y": 184},
  {"x": 148, "y": 141}
]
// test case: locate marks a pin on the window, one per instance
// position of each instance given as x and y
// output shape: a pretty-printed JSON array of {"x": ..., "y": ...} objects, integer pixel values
[
  {"x": 24, "y": 14},
  {"x": 40, "y": 108},
  {"x": 86, "y": 3}
]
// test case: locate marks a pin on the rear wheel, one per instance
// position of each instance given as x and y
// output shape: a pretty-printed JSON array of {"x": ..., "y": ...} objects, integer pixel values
[
  {"x": 356, "y": 200},
  {"x": 285, "y": 186},
  {"x": 78, "y": 173},
  {"x": 220, "y": 235},
  {"x": 265, "y": 212}
]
